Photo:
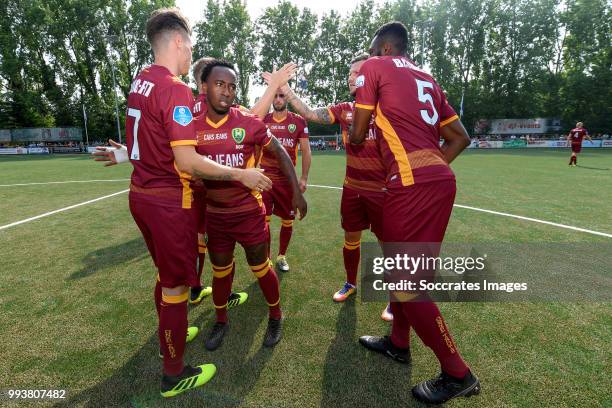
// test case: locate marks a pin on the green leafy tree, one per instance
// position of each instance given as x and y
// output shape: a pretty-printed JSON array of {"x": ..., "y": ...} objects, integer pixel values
[
  {"x": 520, "y": 45},
  {"x": 456, "y": 48},
  {"x": 359, "y": 28},
  {"x": 287, "y": 34},
  {"x": 331, "y": 58},
  {"x": 586, "y": 93},
  {"x": 227, "y": 32}
]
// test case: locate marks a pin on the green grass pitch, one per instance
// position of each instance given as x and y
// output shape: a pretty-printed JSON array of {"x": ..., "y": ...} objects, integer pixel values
[{"x": 76, "y": 307}]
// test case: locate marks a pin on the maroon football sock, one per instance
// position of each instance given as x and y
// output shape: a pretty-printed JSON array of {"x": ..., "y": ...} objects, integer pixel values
[
  {"x": 268, "y": 236},
  {"x": 201, "y": 259},
  {"x": 157, "y": 293},
  {"x": 429, "y": 325},
  {"x": 351, "y": 254},
  {"x": 400, "y": 329},
  {"x": 268, "y": 282},
  {"x": 223, "y": 277},
  {"x": 172, "y": 331},
  {"x": 285, "y": 236}
]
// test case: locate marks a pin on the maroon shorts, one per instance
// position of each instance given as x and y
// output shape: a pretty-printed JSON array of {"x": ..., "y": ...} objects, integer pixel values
[
  {"x": 278, "y": 200},
  {"x": 199, "y": 205},
  {"x": 248, "y": 228},
  {"x": 362, "y": 210},
  {"x": 414, "y": 223},
  {"x": 171, "y": 236},
  {"x": 419, "y": 213},
  {"x": 576, "y": 147}
]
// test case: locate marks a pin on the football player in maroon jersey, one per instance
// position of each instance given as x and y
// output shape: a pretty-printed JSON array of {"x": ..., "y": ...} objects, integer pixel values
[
  {"x": 292, "y": 131},
  {"x": 364, "y": 183},
  {"x": 412, "y": 114},
  {"x": 161, "y": 142},
  {"x": 235, "y": 214},
  {"x": 574, "y": 138}
]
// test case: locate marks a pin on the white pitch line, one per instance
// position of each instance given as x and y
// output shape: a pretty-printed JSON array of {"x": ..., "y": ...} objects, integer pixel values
[
  {"x": 61, "y": 182},
  {"x": 61, "y": 210},
  {"x": 518, "y": 217},
  {"x": 330, "y": 187}
]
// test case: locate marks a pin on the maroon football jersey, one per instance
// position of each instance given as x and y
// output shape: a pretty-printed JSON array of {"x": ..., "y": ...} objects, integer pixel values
[
  {"x": 410, "y": 108},
  {"x": 200, "y": 107},
  {"x": 288, "y": 132},
  {"x": 364, "y": 168},
  {"x": 158, "y": 118},
  {"x": 577, "y": 135},
  {"x": 232, "y": 142}
]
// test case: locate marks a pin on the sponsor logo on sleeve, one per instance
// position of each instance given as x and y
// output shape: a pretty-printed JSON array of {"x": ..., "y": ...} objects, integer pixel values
[
  {"x": 182, "y": 115},
  {"x": 238, "y": 134},
  {"x": 306, "y": 130},
  {"x": 360, "y": 81}
]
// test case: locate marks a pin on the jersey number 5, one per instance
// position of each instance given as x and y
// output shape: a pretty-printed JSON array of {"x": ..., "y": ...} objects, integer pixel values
[
  {"x": 425, "y": 97},
  {"x": 135, "y": 113}
]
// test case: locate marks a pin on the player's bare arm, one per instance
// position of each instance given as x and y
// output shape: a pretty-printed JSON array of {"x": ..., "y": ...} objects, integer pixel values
[
  {"x": 359, "y": 128},
  {"x": 286, "y": 166},
  {"x": 456, "y": 139},
  {"x": 189, "y": 161},
  {"x": 275, "y": 80},
  {"x": 317, "y": 115},
  {"x": 306, "y": 160}
]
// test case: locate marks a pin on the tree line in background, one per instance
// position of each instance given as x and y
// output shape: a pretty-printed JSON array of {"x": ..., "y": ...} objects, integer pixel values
[{"x": 496, "y": 58}]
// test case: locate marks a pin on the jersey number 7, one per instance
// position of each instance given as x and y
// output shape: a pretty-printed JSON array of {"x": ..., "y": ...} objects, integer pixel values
[{"x": 135, "y": 113}]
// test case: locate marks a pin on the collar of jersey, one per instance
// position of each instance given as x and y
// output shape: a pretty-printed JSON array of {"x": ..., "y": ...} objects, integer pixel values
[
  {"x": 219, "y": 123},
  {"x": 163, "y": 68},
  {"x": 279, "y": 121}
]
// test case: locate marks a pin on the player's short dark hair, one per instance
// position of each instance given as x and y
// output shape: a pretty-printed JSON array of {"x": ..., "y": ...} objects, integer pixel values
[
  {"x": 362, "y": 56},
  {"x": 215, "y": 63},
  {"x": 199, "y": 65},
  {"x": 164, "y": 20},
  {"x": 396, "y": 33}
]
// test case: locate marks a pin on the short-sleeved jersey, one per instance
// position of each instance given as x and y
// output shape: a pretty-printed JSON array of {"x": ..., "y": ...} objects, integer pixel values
[
  {"x": 288, "y": 132},
  {"x": 364, "y": 167},
  {"x": 158, "y": 118},
  {"x": 576, "y": 135},
  {"x": 410, "y": 108},
  {"x": 232, "y": 142},
  {"x": 200, "y": 107}
]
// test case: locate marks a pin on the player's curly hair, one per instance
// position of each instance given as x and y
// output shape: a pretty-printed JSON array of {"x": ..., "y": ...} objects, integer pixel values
[
  {"x": 395, "y": 33},
  {"x": 215, "y": 63},
  {"x": 198, "y": 67},
  {"x": 164, "y": 20}
]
